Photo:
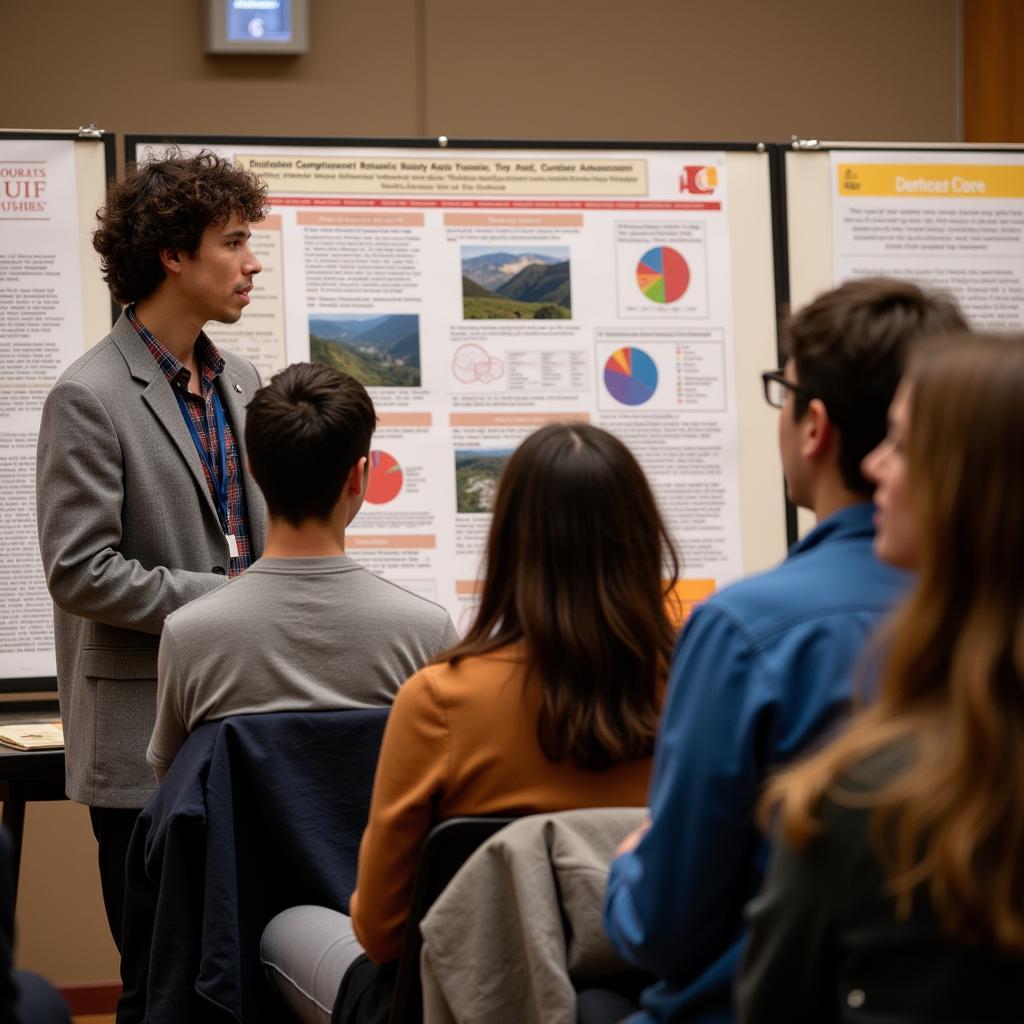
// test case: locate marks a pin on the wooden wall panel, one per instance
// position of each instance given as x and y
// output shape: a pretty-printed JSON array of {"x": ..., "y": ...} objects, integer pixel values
[{"x": 993, "y": 70}]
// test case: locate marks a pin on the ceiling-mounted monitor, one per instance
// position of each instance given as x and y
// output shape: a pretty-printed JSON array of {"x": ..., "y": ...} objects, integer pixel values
[{"x": 257, "y": 26}]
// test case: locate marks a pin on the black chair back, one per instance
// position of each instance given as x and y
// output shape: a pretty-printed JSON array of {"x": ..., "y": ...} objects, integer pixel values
[{"x": 447, "y": 847}]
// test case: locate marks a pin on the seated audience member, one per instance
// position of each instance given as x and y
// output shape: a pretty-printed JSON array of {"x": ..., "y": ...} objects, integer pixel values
[
  {"x": 25, "y": 998},
  {"x": 306, "y": 627},
  {"x": 551, "y": 701},
  {"x": 896, "y": 892},
  {"x": 764, "y": 667}
]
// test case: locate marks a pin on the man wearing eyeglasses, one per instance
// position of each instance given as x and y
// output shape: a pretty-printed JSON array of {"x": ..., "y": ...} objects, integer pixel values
[{"x": 764, "y": 666}]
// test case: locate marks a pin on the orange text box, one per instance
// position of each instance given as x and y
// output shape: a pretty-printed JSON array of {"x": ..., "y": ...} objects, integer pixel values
[
  {"x": 685, "y": 595},
  {"x": 514, "y": 419},
  {"x": 514, "y": 220},
  {"x": 391, "y": 540},
  {"x": 404, "y": 419},
  {"x": 355, "y": 219}
]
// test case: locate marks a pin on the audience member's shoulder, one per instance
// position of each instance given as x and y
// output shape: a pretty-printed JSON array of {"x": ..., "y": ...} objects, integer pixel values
[
  {"x": 205, "y": 610},
  {"x": 877, "y": 768},
  {"x": 476, "y": 679},
  {"x": 395, "y": 599},
  {"x": 846, "y": 809},
  {"x": 826, "y": 576}
]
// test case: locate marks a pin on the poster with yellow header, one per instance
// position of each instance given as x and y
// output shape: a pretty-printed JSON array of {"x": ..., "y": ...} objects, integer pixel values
[{"x": 947, "y": 220}]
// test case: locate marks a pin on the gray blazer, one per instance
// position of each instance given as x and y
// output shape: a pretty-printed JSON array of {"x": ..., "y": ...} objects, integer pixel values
[{"x": 128, "y": 533}]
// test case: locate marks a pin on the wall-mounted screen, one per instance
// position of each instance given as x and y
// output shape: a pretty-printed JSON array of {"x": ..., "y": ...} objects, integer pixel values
[{"x": 257, "y": 26}]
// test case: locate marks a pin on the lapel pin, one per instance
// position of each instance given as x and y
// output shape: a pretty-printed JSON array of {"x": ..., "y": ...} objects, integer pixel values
[{"x": 238, "y": 388}]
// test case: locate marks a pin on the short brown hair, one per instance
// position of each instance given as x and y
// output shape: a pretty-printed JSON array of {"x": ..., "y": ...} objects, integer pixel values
[
  {"x": 848, "y": 347},
  {"x": 304, "y": 432},
  {"x": 168, "y": 204}
]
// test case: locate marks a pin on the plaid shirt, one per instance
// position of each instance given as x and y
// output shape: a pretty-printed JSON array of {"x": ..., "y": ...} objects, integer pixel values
[{"x": 200, "y": 410}]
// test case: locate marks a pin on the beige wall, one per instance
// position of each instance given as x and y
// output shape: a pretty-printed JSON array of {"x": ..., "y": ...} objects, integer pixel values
[
  {"x": 557, "y": 69},
  {"x": 583, "y": 69}
]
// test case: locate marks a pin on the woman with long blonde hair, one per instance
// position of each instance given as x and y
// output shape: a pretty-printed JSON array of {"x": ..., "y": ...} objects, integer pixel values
[{"x": 897, "y": 889}]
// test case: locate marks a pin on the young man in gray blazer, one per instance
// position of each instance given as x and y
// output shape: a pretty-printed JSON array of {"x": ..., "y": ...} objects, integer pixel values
[{"x": 143, "y": 496}]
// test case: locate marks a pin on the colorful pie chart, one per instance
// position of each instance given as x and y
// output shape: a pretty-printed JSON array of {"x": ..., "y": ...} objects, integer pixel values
[
  {"x": 385, "y": 478},
  {"x": 630, "y": 376},
  {"x": 662, "y": 274}
]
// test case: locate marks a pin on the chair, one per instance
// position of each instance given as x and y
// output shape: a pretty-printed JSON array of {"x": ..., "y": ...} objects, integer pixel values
[
  {"x": 444, "y": 851},
  {"x": 257, "y": 813}
]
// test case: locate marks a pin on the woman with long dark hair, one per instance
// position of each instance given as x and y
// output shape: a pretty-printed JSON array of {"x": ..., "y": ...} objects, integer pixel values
[
  {"x": 897, "y": 889},
  {"x": 550, "y": 702}
]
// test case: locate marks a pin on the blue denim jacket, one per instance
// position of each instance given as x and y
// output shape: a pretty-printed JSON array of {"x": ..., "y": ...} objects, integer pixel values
[{"x": 761, "y": 669}]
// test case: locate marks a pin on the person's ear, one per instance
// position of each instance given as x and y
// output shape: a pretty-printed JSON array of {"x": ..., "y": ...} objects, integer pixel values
[
  {"x": 170, "y": 260},
  {"x": 816, "y": 430},
  {"x": 358, "y": 476}
]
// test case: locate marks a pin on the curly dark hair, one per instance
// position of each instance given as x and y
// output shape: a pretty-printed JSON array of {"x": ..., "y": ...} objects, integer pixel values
[{"x": 168, "y": 204}]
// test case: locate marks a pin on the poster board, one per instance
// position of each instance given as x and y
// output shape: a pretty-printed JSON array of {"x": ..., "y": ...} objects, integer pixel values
[
  {"x": 926, "y": 204},
  {"x": 480, "y": 289},
  {"x": 948, "y": 217},
  {"x": 53, "y": 305}
]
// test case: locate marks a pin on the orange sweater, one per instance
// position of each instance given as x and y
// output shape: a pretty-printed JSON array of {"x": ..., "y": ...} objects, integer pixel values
[{"x": 459, "y": 741}]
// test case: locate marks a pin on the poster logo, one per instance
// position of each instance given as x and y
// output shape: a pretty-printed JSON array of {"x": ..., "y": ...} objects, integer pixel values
[
  {"x": 850, "y": 178},
  {"x": 698, "y": 180},
  {"x": 22, "y": 188}
]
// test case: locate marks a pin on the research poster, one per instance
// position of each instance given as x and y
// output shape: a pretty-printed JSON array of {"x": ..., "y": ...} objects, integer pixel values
[
  {"x": 948, "y": 220},
  {"x": 41, "y": 332},
  {"x": 480, "y": 294}
]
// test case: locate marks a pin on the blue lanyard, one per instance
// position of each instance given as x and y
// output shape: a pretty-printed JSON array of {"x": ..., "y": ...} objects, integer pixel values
[{"x": 220, "y": 483}]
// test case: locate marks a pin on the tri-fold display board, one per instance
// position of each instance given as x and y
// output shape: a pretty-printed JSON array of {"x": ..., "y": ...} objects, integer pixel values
[{"x": 482, "y": 289}]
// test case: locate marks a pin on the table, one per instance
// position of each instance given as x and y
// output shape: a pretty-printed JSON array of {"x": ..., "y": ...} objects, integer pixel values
[{"x": 27, "y": 775}]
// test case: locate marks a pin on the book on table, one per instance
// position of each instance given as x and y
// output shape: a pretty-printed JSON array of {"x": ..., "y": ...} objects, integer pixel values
[{"x": 33, "y": 735}]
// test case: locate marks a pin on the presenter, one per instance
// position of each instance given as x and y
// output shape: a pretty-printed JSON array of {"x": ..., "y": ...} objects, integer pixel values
[{"x": 143, "y": 497}]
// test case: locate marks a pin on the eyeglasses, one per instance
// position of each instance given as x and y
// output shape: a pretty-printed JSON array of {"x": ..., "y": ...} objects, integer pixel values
[{"x": 776, "y": 384}]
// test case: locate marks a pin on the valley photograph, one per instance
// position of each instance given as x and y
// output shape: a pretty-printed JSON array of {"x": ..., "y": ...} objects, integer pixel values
[
  {"x": 379, "y": 350},
  {"x": 515, "y": 282},
  {"x": 476, "y": 477}
]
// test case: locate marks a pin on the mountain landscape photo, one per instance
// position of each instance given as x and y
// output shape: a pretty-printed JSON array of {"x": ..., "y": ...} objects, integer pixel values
[
  {"x": 378, "y": 350},
  {"x": 515, "y": 283}
]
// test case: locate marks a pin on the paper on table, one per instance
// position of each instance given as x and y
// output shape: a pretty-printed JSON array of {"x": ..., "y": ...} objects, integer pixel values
[{"x": 33, "y": 735}]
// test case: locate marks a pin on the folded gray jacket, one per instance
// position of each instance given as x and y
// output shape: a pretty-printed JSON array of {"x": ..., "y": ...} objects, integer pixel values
[{"x": 520, "y": 924}]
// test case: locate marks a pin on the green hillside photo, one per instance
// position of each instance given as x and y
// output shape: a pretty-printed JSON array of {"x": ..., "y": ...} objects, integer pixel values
[
  {"x": 516, "y": 283},
  {"x": 378, "y": 350}
]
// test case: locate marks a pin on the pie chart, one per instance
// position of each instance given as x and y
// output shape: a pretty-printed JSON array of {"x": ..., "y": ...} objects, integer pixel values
[
  {"x": 662, "y": 274},
  {"x": 630, "y": 376},
  {"x": 385, "y": 478}
]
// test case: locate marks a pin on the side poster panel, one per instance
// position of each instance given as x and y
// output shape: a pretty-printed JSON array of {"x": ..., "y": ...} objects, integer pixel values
[
  {"x": 480, "y": 294},
  {"x": 952, "y": 220},
  {"x": 41, "y": 331}
]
